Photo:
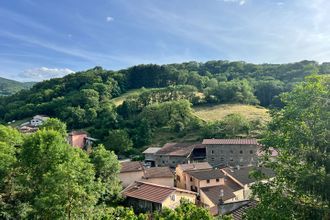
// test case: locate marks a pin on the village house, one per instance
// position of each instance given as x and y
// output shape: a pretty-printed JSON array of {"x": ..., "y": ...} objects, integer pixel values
[
  {"x": 38, "y": 120},
  {"x": 130, "y": 172},
  {"x": 242, "y": 176},
  {"x": 81, "y": 140},
  {"x": 149, "y": 156},
  {"x": 231, "y": 152},
  {"x": 32, "y": 125},
  {"x": 181, "y": 169},
  {"x": 172, "y": 154},
  {"x": 143, "y": 196},
  {"x": 159, "y": 175}
]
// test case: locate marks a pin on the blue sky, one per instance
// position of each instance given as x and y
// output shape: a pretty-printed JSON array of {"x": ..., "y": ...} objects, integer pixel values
[{"x": 40, "y": 39}]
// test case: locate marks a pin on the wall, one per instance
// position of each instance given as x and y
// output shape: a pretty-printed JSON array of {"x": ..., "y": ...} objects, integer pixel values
[
  {"x": 129, "y": 177},
  {"x": 171, "y": 161},
  {"x": 77, "y": 140},
  {"x": 231, "y": 154},
  {"x": 213, "y": 182},
  {"x": 166, "y": 181},
  {"x": 182, "y": 182},
  {"x": 169, "y": 203}
]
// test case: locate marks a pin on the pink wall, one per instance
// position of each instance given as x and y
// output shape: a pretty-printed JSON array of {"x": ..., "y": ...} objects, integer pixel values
[{"x": 77, "y": 140}]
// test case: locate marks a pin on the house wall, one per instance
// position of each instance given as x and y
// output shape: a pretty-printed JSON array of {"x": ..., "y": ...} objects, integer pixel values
[
  {"x": 166, "y": 181},
  {"x": 171, "y": 161},
  {"x": 143, "y": 205},
  {"x": 180, "y": 178},
  {"x": 77, "y": 140},
  {"x": 169, "y": 203},
  {"x": 213, "y": 182},
  {"x": 205, "y": 200},
  {"x": 231, "y": 154},
  {"x": 129, "y": 177}
]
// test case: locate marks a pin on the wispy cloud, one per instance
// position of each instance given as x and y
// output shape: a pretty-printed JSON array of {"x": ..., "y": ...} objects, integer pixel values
[
  {"x": 109, "y": 19},
  {"x": 42, "y": 73},
  {"x": 240, "y": 2}
]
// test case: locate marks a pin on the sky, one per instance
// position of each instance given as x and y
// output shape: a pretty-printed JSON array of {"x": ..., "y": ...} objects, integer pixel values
[{"x": 42, "y": 39}]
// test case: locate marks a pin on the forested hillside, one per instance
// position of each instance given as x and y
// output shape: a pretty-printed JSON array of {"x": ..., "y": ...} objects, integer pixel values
[
  {"x": 89, "y": 99},
  {"x": 9, "y": 87}
]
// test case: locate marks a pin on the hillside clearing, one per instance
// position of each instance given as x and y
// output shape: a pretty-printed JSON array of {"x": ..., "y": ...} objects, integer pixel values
[
  {"x": 218, "y": 112},
  {"x": 120, "y": 99}
]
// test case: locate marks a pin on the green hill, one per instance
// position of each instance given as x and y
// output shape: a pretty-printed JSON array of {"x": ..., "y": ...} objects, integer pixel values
[{"x": 9, "y": 87}]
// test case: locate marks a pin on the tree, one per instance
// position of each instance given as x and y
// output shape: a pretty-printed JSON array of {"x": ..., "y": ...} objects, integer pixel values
[
  {"x": 68, "y": 191},
  {"x": 186, "y": 211},
  {"x": 234, "y": 125},
  {"x": 301, "y": 132},
  {"x": 118, "y": 141},
  {"x": 107, "y": 168},
  {"x": 56, "y": 125}
]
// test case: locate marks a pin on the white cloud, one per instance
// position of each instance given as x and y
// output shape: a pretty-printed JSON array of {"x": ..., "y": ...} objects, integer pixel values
[
  {"x": 240, "y": 2},
  {"x": 42, "y": 73},
  {"x": 109, "y": 19}
]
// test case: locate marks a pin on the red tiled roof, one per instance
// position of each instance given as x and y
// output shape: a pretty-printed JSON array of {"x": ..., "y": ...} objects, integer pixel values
[
  {"x": 158, "y": 172},
  {"x": 131, "y": 166},
  {"x": 231, "y": 141},
  {"x": 151, "y": 192},
  {"x": 176, "y": 149}
]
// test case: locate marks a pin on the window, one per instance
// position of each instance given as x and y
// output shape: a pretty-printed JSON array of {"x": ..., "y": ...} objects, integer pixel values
[
  {"x": 191, "y": 179},
  {"x": 212, "y": 151},
  {"x": 173, "y": 161},
  {"x": 241, "y": 152},
  {"x": 173, "y": 197},
  {"x": 251, "y": 151},
  {"x": 217, "y": 180},
  {"x": 208, "y": 181},
  {"x": 163, "y": 161}
]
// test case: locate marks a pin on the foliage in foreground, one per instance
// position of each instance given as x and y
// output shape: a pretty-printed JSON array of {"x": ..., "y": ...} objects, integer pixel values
[{"x": 301, "y": 132}]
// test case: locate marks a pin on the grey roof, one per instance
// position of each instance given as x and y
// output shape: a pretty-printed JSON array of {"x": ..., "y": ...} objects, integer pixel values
[
  {"x": 213, "y": 192},
  {"x": 231, "y": 141},
  {"x": 243, "y": 173},
  {"x": 176, "y": 149},
  {"x": 239, "y": 212},
  {"x": 151, "y": 150},
  {"x": 206, "y": 174}
]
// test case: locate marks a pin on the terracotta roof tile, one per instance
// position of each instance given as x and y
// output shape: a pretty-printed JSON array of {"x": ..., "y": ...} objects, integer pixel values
[
  {"x": 131, "y": 166},
  {"x": 158, "y": 172},
  {"x": 231, "y": 141},
  {"x": 151, "y": 192}
]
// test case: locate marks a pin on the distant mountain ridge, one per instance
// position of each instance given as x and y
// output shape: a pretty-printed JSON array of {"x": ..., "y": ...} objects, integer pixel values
[{"x": 9, "y": 87}]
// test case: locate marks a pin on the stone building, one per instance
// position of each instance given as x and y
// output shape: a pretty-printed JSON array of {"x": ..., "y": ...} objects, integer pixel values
[{"x": 231, "y": 152}]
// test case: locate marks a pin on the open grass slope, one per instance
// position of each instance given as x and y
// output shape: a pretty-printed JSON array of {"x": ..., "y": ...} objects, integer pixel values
[
  {"x": 120, "y": 99},
  {"x": 218, "y": 112}
]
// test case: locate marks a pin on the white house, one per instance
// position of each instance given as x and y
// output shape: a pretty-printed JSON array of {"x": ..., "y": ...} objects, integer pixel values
[{"x": 38, "y": 120}]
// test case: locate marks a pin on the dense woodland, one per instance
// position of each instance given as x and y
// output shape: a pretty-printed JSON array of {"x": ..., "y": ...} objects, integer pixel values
[{"x": 83, "y": 100}]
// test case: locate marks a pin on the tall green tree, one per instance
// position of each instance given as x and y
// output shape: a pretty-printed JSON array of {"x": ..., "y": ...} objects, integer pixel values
[
  {"x": 56, "y": 125},
  {"x": 107, "y": 168},
  {"x": 301, "y": 132}
]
